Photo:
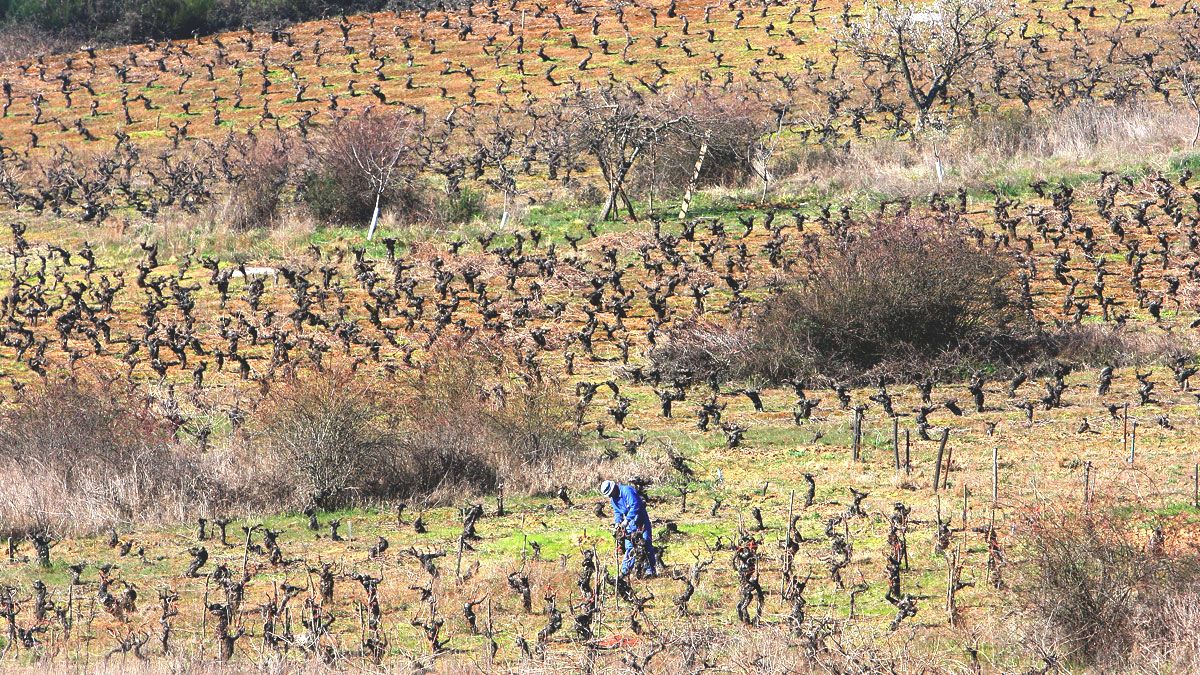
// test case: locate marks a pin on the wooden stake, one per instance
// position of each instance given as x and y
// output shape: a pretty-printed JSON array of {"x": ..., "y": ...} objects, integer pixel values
[
  {"x": 458, "y": 561},
  {"x": 1087, "y": 482},
  {"x": 857, "y": 435},
  {"x": 937, "y": 468},
  {"x": 1125, "y": 430},
  {"x": 964, "y": 513},
  {"x": 907, "y": 453},
  {"x": 1196, "y": 486},
  {"x": 1133, "y": 444},
  {"x": 995, "y": 474},
  {"x": 788, "y": 528},
  {"x": 946, "y": 472},
  {"x": 691, "y": 187},
  {"x": 896, "y": 441}
]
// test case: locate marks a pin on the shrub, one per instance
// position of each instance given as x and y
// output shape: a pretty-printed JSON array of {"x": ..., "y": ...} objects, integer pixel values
[
  {"x": 128, "y": 21},
  {"x": 702, "y": 351},
  {"x": 1103, "y": 592},
  {"x": 520, "y": 432},
  {"x": 906, "y": 296},
  {"x": 361, "y": 158},
  {"x": 331, "y": 433},
  {"x": 455, "y": 427},
  {"x": 732, "y": 123},
  {"x": 256, "y": 193},
  {"x": 1095, "y": 345},
  {"x": 19, "y": 40},
  {"x": 76, "y": 457},
  {"x": 460, "y": 207}
]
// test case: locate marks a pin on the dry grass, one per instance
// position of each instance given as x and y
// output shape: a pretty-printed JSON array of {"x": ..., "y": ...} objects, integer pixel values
[
  {"x": 993, "y": 149},
  {"x": 81, "y": 457}
]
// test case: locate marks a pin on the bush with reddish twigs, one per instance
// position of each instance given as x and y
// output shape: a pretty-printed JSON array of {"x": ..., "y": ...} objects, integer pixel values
[
  {"x": 362, "y": 158},
  {"x": 256, "y": 191},
  {"x": 1107, "y": 593},
  {"x": 908, "y": 296}
]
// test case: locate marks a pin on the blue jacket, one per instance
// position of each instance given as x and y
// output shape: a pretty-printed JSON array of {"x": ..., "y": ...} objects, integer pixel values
[{"x": 629, "y": 508}]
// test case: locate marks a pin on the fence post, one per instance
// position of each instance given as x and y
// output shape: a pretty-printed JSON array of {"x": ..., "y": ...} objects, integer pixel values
[
  {"x": 907, "y": 453},
  {"x": 857, "y": 434},
  {"x": 1125, "y": 430},
  {"x": 1133, "y": 443},
  {"x": 995, "y": 474},
  {"x": 1087, "y": 482},
  {"x": 896, "y": 441},
  {"x": 937, "y": 468}
]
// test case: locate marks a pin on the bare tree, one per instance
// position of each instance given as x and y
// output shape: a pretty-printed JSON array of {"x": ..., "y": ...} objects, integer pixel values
[
  {"x": 932, "y": 46},
  {"x": 617, "y": 126},
  {"x": 368, "y": 161},
  {"x": 759, "y": 153}
]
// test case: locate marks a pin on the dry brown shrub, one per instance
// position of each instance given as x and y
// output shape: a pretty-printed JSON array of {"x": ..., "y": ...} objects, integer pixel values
[
  {"x": 256, "y": 193},
  {"x": 330, "y": 431},
  {"x": 731, "y": 122},
  {"x": 22, "y": 41},
  {"x": 907, "y": 296},
  {"x": 701, "y": 351},
  {"x": 76, "y": 457},
  {"x": 1103, "y": 344},
  {"x": 1104, "y": 595},
  {"x": 461, "y": 424},
  {"x": 468, "y": 420},
  {"x": 351, "y": 160}
]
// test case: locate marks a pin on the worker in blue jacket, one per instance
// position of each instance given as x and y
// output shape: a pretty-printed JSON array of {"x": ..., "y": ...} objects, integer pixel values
[{"x": 629, "y": 511}]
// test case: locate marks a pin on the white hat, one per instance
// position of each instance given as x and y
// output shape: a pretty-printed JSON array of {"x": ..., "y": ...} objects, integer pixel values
[{"x": 608, "y": 488}]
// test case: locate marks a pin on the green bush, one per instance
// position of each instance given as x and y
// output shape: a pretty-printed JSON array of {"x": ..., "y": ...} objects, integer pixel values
[{"x": 460, "y": 207}]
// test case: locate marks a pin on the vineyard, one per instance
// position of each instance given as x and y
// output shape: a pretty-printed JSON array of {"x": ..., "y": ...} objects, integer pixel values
[{"x": 317, "y": 341}]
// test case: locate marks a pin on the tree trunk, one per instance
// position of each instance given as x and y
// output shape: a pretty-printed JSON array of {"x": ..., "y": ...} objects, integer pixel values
[
  {"x": 374, "y": 216},
  {"x": 691, "y": 187},
  {"x": 616, "y": 183}
]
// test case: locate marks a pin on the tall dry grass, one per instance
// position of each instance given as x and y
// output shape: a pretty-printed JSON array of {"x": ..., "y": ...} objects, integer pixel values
[
  {"x": 1100, "y": 592},
  {"x": 78, "y": 457},
  {"x": 997, "y": 147}
]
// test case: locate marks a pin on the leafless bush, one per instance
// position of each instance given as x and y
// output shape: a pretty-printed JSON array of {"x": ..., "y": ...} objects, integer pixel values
[
  {"x": 22, "y": 41},
  {"x": 700, "y": 351},
  {"x": 456, "y": 426},
  {"x": 364, "y": 161},
  {"x": 256, "y": 193},
  {"x": 730, "y": 124},
  {"x": 521, "y": 433},
  {"x": 1104, "y": 344},
  {"x": 331, "y": 432},
  {"x": 76, "y": 457},
  {"x": 906, "y": 295},
  {"x": 1104, "y": 592}
]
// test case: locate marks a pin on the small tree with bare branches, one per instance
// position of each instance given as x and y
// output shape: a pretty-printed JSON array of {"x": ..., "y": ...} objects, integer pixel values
[
  {"x": 617, "y": 126},
  {"x": 365, "y": 163},
  {"x": 931, "y": 46}
]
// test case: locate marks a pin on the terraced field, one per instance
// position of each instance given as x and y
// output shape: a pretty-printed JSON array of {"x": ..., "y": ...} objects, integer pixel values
[{"x": 882, "y": 521}]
